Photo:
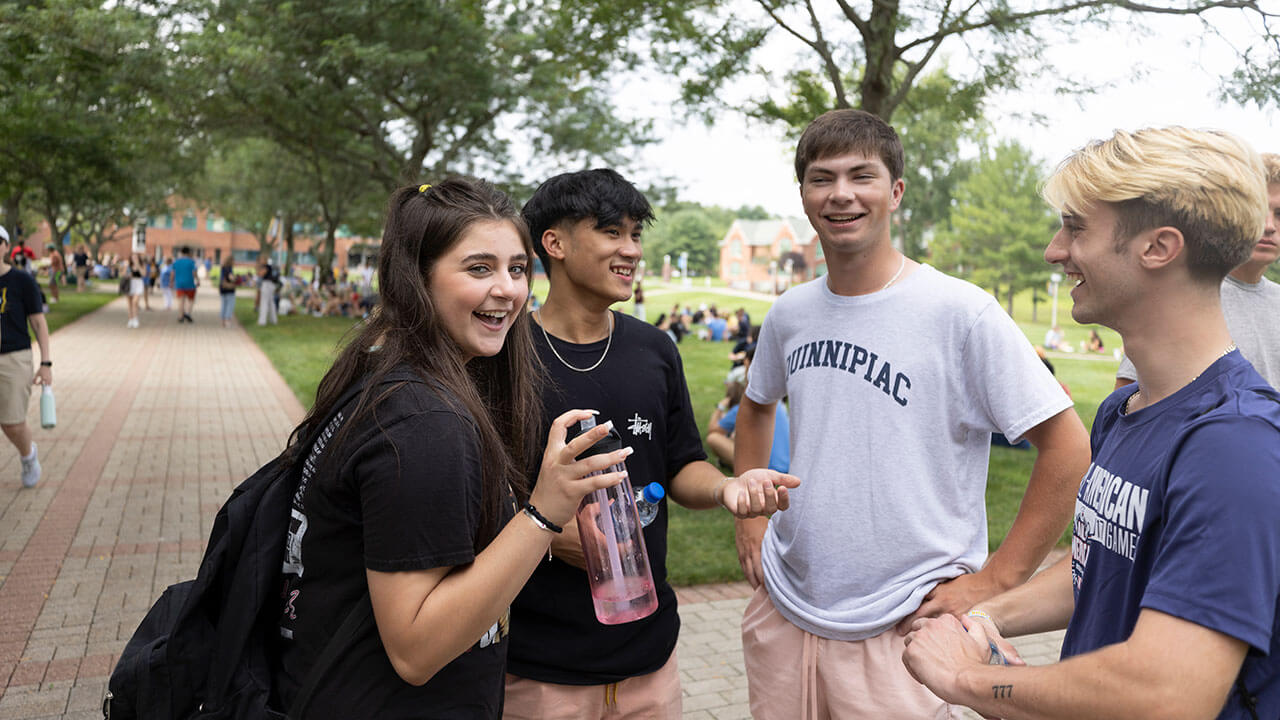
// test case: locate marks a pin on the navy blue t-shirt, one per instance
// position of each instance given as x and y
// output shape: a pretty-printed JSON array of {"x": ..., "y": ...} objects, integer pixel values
[{"x": 1180, "y": 512}]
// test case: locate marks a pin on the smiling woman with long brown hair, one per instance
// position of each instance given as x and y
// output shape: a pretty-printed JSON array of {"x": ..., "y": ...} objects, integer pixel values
[{"x": 412, "y": 491}]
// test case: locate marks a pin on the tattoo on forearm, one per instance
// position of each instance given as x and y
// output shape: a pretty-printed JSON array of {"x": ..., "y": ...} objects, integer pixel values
[{"x": 1002, "y": 691}]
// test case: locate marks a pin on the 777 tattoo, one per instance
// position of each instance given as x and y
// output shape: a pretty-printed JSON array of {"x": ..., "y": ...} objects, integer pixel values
[{"x": 1002, "y": 691}]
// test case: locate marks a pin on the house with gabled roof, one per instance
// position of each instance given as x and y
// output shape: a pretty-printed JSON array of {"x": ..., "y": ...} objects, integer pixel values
[{"x": 770, "y": 255}]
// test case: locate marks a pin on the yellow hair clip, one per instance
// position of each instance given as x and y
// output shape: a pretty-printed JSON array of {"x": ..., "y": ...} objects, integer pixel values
[{"x": 423, "y": 187}]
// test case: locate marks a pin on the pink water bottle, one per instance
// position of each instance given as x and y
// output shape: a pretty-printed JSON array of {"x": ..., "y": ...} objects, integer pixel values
[{"x": 617, "y": 561}]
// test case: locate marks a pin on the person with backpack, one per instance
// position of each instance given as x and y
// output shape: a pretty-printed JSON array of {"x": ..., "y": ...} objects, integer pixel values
[
  {"x": 227, "y": 290},
  {"x": 414, "y": 492}
]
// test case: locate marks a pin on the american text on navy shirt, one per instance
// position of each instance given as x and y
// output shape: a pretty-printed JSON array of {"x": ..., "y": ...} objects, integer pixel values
[{"x": 1109, "y": 511}]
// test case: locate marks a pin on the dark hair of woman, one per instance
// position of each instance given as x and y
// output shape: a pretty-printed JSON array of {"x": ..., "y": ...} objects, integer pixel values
[{"x": 499, "y": 394}]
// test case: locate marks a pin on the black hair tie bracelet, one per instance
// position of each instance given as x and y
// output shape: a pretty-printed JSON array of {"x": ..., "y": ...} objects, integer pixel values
[{"x": 541, "y": 521}]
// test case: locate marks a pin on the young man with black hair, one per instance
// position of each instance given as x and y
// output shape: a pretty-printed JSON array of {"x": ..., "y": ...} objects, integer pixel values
[
  {"x": 1171, "y": 591},
  {"x": 563, "y": 663},
  {"x": 897, "y": 376}
]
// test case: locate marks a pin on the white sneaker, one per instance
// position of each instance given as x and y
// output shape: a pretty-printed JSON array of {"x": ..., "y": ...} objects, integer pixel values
[{"x": 31, "y": 469}]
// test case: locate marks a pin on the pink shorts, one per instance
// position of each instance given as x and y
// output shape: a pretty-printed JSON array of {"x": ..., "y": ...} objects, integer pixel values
[
  {"x": 189, "y": 293},
  {"x": 654, "y": 696},
  {"x": 796, "y": 675}
]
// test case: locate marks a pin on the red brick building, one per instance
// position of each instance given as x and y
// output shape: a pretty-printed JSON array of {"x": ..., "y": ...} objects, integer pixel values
[
  {"x": 210, "y": 236},
  {"x": 754, "y": 254}
]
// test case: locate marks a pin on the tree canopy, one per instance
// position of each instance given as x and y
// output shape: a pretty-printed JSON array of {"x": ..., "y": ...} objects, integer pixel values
[{"x": 999, "y": 226}]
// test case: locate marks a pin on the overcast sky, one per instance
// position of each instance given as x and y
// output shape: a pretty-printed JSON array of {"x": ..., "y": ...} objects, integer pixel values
[{"x": 1178, "y": 67}]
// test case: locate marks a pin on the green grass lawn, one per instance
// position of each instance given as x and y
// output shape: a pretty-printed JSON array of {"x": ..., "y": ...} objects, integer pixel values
[
  {"x": 72, "y": 305},
  {"x": 701, "y": 543},
  {"x": 301, "y": 347}
]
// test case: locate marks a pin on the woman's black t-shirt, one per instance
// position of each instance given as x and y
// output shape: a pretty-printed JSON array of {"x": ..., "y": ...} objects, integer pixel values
[{"x": 401, "y": 492}]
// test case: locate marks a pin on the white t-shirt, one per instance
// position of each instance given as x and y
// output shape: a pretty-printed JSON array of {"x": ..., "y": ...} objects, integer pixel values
[
  {"x": 893, "y": 397},
  {"x": 1252, "y": 311}
]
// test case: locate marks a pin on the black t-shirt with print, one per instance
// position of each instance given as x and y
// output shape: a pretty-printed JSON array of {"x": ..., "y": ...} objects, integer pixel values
[
  {"x": 401, "y": 492},
  {"x": 640, "y": 386},
  {"x": 19, "y": 299}
]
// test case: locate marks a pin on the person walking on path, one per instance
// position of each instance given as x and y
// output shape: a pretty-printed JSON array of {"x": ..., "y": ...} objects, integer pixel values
[
  {"x": 1170, "y": 594},
  {"x": 897, "y": 376},
  {"x": 166, "y": 282},
  {"x": 227, "y": 291},
  {"x": 563, "y": 662},
  {"x": 149, "y": 274},
  {"x": 184, "y": 284},
  {"x": 57, "y": 271},
  {"x": 20, "y": 306},
  {"x": 134, "y": 286},
  {"x": 80, "y": 268},
  {"x": 268, "y": 282}
]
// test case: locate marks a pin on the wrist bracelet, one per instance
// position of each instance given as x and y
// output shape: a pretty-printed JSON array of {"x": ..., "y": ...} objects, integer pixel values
[
  {"x": 980, "y": 614},
  {"x": 541, "y": 521},
  {"x": 46, "y": 363}
]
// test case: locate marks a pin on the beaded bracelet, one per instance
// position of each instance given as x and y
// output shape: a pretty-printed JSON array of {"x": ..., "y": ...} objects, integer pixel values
[{"x": 541, "y": 521}]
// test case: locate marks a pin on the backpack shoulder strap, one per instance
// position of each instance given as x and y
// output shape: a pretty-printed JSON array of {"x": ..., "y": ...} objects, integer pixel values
[{"x": 359, "y": 618}]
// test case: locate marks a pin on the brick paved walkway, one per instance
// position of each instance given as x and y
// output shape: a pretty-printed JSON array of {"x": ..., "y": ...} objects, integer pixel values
[{"x": 155, "y": 427}]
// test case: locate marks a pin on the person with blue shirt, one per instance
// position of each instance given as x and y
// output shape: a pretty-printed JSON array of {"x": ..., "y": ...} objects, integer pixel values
[
  {"x": 166, "y": 283},
  {"x": 184, "y": 284},
  {"x": 1170, "y": 594},
  {"x": 724, "y": 420}
]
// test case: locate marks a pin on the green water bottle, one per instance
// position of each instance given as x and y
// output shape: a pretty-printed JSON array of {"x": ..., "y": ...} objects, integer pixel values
[{"x": 48, "y": 411}]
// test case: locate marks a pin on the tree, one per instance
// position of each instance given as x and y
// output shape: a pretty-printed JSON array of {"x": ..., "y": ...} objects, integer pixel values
[
  {"x": 254, "y": 184},
  {"x": 893, "y": 43},
  {"x": 86, "y": 127},
  {"x": 385, "y": 93},
  {"x": 421, "y": 90},
  {"x": 1257, "y": 79},
  {"x": 999, "y": 225},
  {"x": 688, "y": 228}
]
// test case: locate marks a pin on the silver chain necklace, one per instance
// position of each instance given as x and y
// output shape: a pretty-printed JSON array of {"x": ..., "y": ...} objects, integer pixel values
[
  {"x": 607, "y": 345},
  {"x": 894, "y": 279},
  {"x": 1129, "y": 400}
]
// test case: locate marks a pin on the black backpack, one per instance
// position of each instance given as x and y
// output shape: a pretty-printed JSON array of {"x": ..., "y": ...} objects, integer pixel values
[{"x": 204, "y": 648}]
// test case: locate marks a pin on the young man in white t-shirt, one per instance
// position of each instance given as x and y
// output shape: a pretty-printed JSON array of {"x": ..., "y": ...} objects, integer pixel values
[{"x": 897, "y": 376}]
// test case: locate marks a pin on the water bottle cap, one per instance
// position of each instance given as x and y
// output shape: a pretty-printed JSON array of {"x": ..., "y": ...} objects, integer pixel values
[
  {"x": 653, "y": 492},
  {"x": 606, "y": 444}
]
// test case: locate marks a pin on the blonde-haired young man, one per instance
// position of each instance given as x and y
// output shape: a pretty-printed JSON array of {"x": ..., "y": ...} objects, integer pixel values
[
  {"x": 1251, "y": 302},
  {"x": 1170, "y": 593}
]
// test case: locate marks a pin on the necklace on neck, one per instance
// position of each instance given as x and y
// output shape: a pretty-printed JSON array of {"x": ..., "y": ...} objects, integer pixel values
[
  {"x": 901, "y": 266},
  {"x": 564, "y": 362},
  {"x": 1129, "y": 400}
]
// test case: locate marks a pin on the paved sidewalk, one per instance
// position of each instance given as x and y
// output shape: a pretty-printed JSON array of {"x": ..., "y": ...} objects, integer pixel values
[{"x": 155, "y": 427}]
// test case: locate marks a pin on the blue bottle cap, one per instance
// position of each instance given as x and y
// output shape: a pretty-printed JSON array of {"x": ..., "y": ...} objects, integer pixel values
[{"x": 653, "y": 492}]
